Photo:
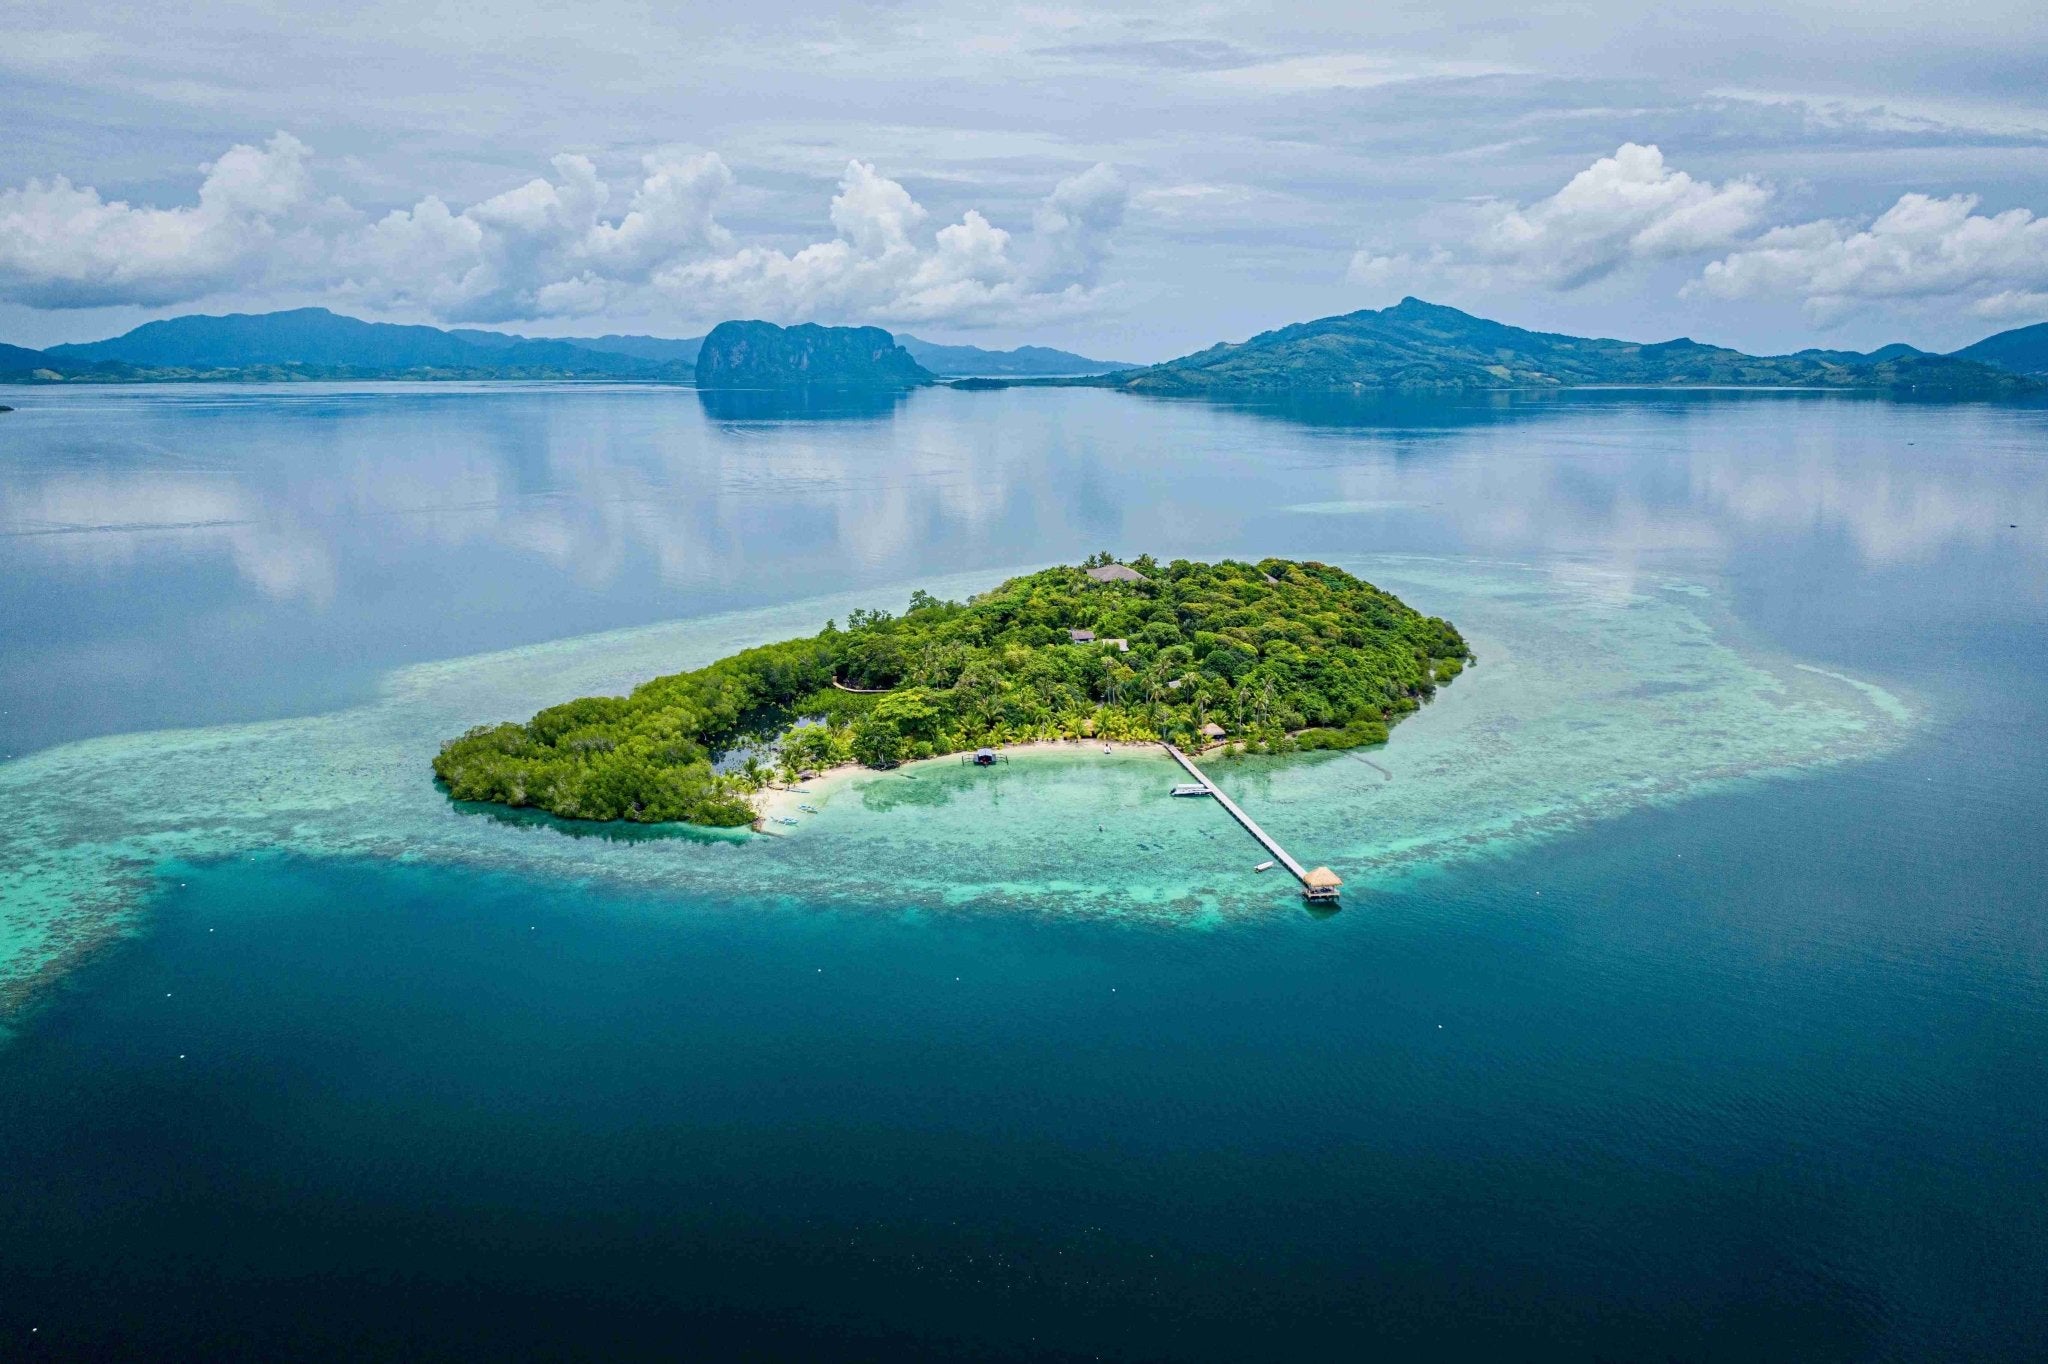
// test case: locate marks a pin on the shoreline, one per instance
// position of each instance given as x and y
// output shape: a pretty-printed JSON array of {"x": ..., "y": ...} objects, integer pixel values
[{"x": 782, "y": 802}]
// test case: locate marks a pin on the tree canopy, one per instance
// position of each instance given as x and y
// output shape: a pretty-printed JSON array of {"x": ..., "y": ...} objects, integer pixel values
[{"x": 1284, "y": 656}]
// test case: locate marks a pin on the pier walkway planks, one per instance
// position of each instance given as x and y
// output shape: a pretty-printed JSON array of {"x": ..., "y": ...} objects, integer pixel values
[{"x": 1251, "y": 826}]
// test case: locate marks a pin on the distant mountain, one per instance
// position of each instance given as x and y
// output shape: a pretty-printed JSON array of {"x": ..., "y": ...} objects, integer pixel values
[
  {"x": 1413, "y": 346},
  {"x": 1897, "y": 350},
  {"x": 482, "y": 340},
  {"x": 1417, "y": 345},
  {"x": 763, "y": 355},
  {"x": 2023, "y": 350},
  {"x": 303, "y": 336},
  {"x": 316, "y": 343},
  {"x": 313, "y": 343},
  {"x": 17, "y": 362},
  {"x": 664, "y": 349},
  {"x": 956, "y": 361}
]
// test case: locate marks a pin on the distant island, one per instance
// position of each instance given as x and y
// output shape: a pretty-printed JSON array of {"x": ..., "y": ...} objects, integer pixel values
[
  {"x": 307, "y": 344},
  {"x": 1411, "y": 347},
  {"x": 763, "y": 355},
  {"x": 1415, "y": 345},
  {"x": 1276, "y": 656},
  {"x": 973, "y": 362}
]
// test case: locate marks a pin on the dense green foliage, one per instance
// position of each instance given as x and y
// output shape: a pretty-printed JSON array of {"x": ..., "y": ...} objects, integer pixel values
[
  {"x": 1282, "y": 655},
  {"x": 1417, "y": 345}
]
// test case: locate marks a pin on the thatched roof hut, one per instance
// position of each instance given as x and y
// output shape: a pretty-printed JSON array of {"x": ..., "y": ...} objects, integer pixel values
[
  {"x": 1081, "y": 636},
  {"x": 1212, "y": 730},
  {"x": 1116, "y": 573},
  {"x": 1322, "y": 878}
]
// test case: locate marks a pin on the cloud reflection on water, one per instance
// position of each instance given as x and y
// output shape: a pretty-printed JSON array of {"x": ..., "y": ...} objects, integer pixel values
[
  {"x": 590, "y": 481},
  {"x": 270, "y": 532}
]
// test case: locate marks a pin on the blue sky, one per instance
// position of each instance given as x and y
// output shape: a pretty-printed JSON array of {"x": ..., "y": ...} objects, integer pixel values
[{"x": 1130, "y": 181}]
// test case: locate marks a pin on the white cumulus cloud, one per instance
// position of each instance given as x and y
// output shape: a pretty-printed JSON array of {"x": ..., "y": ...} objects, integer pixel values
[
  {"x": 1626, "y": 209},
  {"x": 1071, "y": 230},
  {"x": 545, "y": 249},
  {"x": 558, "y": 246},
  {"x": 1921, "y": 248},
  {"x": 63, "y": 246},
  {"x": 1635, "y": 208},
  {"x": 879, "y": 268}
]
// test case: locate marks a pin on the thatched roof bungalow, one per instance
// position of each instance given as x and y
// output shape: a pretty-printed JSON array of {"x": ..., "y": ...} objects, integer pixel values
[
  {"x": 1116, "y": 573},
  {"x": 1321, "y": 884}
]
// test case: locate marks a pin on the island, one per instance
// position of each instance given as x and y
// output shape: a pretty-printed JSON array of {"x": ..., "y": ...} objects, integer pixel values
[
  {"x": 1412, "y": 347},
  {"x": 1269, "y": 657},
  {"x": 300, "y": 344},
  {"x": 763, "y": 355},
  {"x": 1415, "y": 346},
  {"x": 312, "y": 344}
]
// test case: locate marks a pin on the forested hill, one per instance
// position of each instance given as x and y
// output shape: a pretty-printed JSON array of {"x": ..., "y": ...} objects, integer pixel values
[
  {"x": 2023, "y": 350},
  {"x": 1413, "y": 345},
  {"x": 1418, "y": 345},
  {"x": 20, "y": 360},
  {"x": 313, "y": 343},
  {"x": 1281, "y": 655}
]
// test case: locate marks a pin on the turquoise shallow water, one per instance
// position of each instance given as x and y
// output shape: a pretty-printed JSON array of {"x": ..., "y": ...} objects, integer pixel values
[
  {"x": 1686, "y": 1002},
  {"x": 1593, "y": 696}
]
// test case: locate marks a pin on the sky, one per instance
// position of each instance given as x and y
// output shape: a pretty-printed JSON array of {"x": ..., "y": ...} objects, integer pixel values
[{"x": 1130, "y": 181}]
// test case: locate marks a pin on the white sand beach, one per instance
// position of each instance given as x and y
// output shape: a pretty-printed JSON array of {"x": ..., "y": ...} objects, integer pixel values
[{"x": 787, "y": 802}]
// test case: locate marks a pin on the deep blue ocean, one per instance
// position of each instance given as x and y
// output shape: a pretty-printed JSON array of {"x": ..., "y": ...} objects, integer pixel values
[{"x": 1751, "y": 1073}]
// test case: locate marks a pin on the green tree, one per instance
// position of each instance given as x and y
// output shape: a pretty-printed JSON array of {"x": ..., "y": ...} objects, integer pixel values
[{"x": 1282, "y": 648}]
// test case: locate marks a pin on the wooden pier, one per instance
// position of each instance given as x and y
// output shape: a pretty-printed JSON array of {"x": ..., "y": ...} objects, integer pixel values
[{"x": 1320, "y": 884}]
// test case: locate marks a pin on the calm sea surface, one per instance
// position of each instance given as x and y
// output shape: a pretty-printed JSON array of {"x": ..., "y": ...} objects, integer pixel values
[{"x": 1688, "y": 1000}]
